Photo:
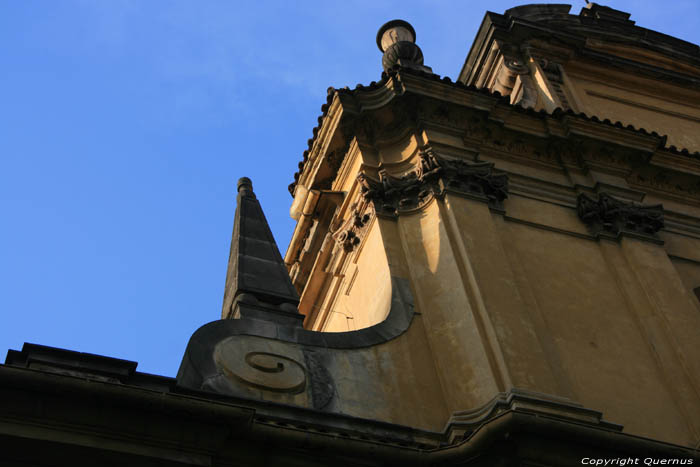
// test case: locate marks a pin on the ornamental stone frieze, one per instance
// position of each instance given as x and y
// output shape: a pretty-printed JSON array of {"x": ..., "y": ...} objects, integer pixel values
[
  {"x": 493, "y": 136},
  {"x": 686, "y": 186},
  {"x": 611, "y": 217},
  {"x": 434, "y": 177}
]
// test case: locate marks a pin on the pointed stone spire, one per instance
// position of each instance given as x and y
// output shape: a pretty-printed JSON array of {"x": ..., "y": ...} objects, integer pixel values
[{"x": 257, "y": 278}]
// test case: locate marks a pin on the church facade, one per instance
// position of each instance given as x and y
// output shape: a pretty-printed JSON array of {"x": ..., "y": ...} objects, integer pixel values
[{"x": 502, "y": 270}]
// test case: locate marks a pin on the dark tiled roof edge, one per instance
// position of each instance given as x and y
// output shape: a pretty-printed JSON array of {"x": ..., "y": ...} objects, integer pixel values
[{"x": 558, "y": 112}]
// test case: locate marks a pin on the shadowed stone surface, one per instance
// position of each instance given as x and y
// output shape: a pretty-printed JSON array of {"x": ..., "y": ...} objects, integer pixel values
[{"x": 256, "y": 272}]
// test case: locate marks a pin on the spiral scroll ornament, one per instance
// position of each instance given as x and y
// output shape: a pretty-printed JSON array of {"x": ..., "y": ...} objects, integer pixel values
[{"x": 261, "y": 364}]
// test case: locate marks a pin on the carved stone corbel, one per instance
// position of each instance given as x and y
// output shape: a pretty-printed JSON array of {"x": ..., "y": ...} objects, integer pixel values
[
  {"x": 433, "y": 177},
  {"x": 392, "y": 195},
  {"x": 611, "y": 217},
  {"x": 351, "y": 233},
  {"x": 478, "y": 179}
]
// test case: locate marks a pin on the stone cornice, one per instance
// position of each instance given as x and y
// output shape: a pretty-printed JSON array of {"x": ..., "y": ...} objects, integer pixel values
[
  {"x": 358, "y": 106},
  {"x": 172, "y": 411}
]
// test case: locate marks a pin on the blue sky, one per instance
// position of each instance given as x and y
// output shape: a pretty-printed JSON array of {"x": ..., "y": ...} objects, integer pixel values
[{"x": 125, "y": 124}]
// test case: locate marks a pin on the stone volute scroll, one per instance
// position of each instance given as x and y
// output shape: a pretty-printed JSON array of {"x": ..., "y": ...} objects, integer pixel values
[
  {"x": 260, "y": 349},
  {"x": 263, "y": 365},
  {"x": 510, "y": 73}
]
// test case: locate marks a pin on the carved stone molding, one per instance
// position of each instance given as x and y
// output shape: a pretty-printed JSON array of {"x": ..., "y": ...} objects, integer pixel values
[
  {"x": 478, "y": 128},
  {"x": 364, "y": 127},
  {"x": 335, "y": 158},
  {"x": 392, "y": 195},
  {"x": 552, "y": 151},
  {"x": 252, "y": 363},
  {"x": 269, "y": 366},
  {"x": 376, "y": 127},
  {"x": 552, "y": 71},
  {"x": 508, "y": 69},
  {"x": 491, "y": 135},
  {"x": 434, "y": 176},
  {"x": 351, "y": 233},
  {"x": 442, "y": 114},
  {"x": 328, "y": 172},
  {"x": 464, "y": 424},
  {"x": 479, "y": 179},
  {"x": 679, "y": 184},
  {"x": 516, "y": 65},
  {"x": 567, "y": 152},
  {"x": 611, "y": 217},
  {"x": 322, "y": 387},
  {"x": 612, "y": 158}
]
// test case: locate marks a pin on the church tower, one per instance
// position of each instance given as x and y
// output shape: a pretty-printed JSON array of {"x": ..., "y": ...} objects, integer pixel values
[
  {"x": 544, "y": 212},
  {"x": 527, "y": 237}
]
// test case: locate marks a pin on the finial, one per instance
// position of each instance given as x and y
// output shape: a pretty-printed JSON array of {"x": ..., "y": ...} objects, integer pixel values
[
  {"x": 396, "y": 30},
  {"x": 397, "y": 39},
  {"x": 245, "y": 187},
  {"x": 257, "y": 279}
]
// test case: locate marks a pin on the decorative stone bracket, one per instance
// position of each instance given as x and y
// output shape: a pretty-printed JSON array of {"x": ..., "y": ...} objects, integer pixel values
[
  {"x": 433, "y": 178},
  {"x": 262, "y": 357},
  {"x": 353, "y": 230},
  {"x": 507, "y": 76},
  {"x": 611, "y": 217}
]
